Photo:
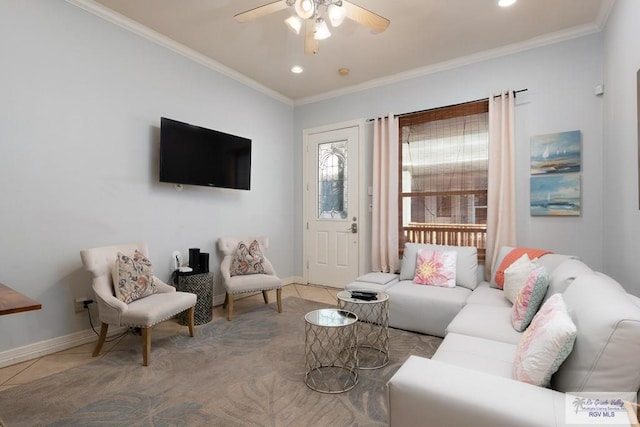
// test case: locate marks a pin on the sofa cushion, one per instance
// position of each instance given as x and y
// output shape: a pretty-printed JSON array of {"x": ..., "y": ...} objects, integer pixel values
[
  {"x": 552, "y": 261},
  {"x": 466, "y": 262},
  {"x": 480, "y": 354},
  {"x": 605, "y": 354},
  {"x": 485, "y": 321},
  {"x": 564, "y": 274},
  {"x": 486, "y": 295},
  {"x": 545, "y": 344},
  {"x": 378, "y": 278},
  {"x": 425, "y": 309},
  {"x": 436, "y": 268},
  {"x": 529, "y": 299},
  {"x": 515, "y": 276},
  {"x": 369, "y": 286}
]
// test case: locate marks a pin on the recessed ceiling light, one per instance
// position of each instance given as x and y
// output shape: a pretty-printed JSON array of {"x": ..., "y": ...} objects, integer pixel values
[
  {"x": 296, "y": 69},
  {"x": 506, "y": 3}
]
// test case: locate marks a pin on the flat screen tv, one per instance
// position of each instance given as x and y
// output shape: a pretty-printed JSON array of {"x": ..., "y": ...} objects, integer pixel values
[{"x": 194, "y": 155}]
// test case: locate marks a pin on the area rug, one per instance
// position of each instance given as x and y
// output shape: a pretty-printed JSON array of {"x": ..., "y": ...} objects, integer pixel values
[{"x": 247, "y": 372}]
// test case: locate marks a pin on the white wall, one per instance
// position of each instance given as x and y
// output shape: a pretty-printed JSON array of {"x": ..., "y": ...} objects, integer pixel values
[
  {"x": 560, "y": 80},
  {"x": 620, "y": 148},
  {"x": 80, "y": 107}
]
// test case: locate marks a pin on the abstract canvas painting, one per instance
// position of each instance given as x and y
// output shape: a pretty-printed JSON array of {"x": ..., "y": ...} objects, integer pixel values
[
  {"x": 555, "y": 194},
  {"x": 555, "y": 153}
]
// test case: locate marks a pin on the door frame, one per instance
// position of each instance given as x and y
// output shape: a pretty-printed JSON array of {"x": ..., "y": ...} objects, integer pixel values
[{"x": 364, "y": 212}]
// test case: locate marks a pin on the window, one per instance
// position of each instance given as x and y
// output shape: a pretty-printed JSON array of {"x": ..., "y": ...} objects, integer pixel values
[{"x": 443, "y": 177}]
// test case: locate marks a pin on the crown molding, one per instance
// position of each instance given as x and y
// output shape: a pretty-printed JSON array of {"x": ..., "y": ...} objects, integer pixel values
[
  {"x": 122, "y": 21},
  {"x": 603, "y": 13},
  {"x": 547, "y": 39},
  {"x": 135, "y": 27}
]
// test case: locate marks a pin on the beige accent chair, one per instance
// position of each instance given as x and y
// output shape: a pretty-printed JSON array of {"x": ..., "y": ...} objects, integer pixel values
[
  {"x": 143, "y": 313},
  {"x": 235, "y": 285}
]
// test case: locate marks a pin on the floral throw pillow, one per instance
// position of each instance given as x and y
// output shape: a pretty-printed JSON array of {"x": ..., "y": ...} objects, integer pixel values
[
  {"x": 247, "y": 260},
  {"x": 437, "y": 268},
  {"x": 529, "y": 298},
  {"x": 132, "y": 277},
  {"x": 545, "y": 344}
]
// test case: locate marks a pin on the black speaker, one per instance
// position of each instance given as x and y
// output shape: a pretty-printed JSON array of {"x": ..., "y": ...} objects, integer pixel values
[
  {"x": 194, "y": 258},
  {"x": 204, "y": 262}
]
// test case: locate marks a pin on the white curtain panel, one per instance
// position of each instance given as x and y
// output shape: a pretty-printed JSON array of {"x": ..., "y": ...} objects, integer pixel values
[
  {"x": 501, "y": 200},
  {"x": 384, "y": 251}
]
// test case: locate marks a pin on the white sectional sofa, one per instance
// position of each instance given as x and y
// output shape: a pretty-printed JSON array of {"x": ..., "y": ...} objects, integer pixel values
[{"x": 469, "y": 380}]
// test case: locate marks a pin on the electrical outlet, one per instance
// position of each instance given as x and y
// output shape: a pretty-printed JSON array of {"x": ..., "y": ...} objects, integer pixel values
[{"x": 79, "y": 304}]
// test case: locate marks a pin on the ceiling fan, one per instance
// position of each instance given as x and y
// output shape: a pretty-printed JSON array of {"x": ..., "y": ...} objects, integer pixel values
[{"x": 313, "y": 13}]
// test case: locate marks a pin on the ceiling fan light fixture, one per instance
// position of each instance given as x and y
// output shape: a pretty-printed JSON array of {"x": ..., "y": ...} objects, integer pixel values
[
  {"x": 305, "y": 8},
  {"x": 321, "y": 30},
  {"x": 294, "y": 23},
  {"x": 336, "y": 13}
]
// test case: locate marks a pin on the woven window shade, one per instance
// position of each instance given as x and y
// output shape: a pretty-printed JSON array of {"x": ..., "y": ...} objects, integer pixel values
[{"x": 444, "y": 158}]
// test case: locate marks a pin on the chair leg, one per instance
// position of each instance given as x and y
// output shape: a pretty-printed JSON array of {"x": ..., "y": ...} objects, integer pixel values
[
  {"x": 265, "y": 295},
  {"x": 101, "y": 339},
  {"x": 146, "y": 345},
  {"x": 226, "y": 300},
  {"x": 229, "y": 307},
  {"x": 279, "y": 298},
  {"x": 190, "y": 314}
]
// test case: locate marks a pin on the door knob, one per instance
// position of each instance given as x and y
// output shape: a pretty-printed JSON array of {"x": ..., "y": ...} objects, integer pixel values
[{"x": 353, "y": 228}]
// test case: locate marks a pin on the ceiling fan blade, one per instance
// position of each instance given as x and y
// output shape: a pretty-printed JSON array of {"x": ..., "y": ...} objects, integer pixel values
[
  {"x": 311, "y": 45},
  {"x": 260, "y": 11},
  {"x": 369, "y": 19}
]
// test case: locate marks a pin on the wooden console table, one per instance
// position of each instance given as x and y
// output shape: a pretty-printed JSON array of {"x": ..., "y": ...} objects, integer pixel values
[{"x": 12, "y": 301}]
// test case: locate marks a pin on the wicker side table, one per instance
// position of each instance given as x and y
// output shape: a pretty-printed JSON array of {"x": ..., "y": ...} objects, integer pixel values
[{"x": 200, "y": 284}]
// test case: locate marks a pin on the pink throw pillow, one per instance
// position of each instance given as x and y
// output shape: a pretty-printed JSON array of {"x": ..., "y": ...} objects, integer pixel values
[
  {"x": 437, "y": 268},
  {"x": 529, "y": 298},
  {"x": 545, "y": 344}
]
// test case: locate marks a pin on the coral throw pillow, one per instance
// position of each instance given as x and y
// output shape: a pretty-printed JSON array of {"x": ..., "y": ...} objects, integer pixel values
[
  {"x": 529, "y": 298},
  {"x": 545, "y": 344},
  {"x": 132, "y": 277},
  {"x": 247, "y": 260},
  {"x": 437, "y": 268}
]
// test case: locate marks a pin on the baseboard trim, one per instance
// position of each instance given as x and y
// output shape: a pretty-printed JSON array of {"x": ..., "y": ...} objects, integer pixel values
[
  {"x": 50, "y": 346},
  {"x": 65, "y": 342}
]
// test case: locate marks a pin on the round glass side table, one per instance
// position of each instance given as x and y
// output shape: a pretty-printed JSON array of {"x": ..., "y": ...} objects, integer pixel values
[
  {"x": 373, "y": 327},
  {"x": 331, "y": 360}
]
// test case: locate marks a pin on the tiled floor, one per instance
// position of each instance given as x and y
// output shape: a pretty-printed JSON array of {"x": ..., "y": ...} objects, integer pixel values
[{"x": 30, "y": 370}]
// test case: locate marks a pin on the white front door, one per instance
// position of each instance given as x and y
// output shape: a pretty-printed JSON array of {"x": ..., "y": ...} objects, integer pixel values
[{"x": 331, "y": 206}]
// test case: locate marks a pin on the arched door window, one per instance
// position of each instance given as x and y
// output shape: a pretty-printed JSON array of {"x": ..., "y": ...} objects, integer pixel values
[{"x": 332, "y": 181}]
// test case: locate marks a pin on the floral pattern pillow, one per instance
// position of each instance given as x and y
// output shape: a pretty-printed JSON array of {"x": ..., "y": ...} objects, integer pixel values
[
  {"x": 529, "y": 298},
  {"x": 545, "y": 344},
  {"x": 132, "y": 277},
  {"x": 437, "y": 268},
  {"x": 247, "y": 260}
]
